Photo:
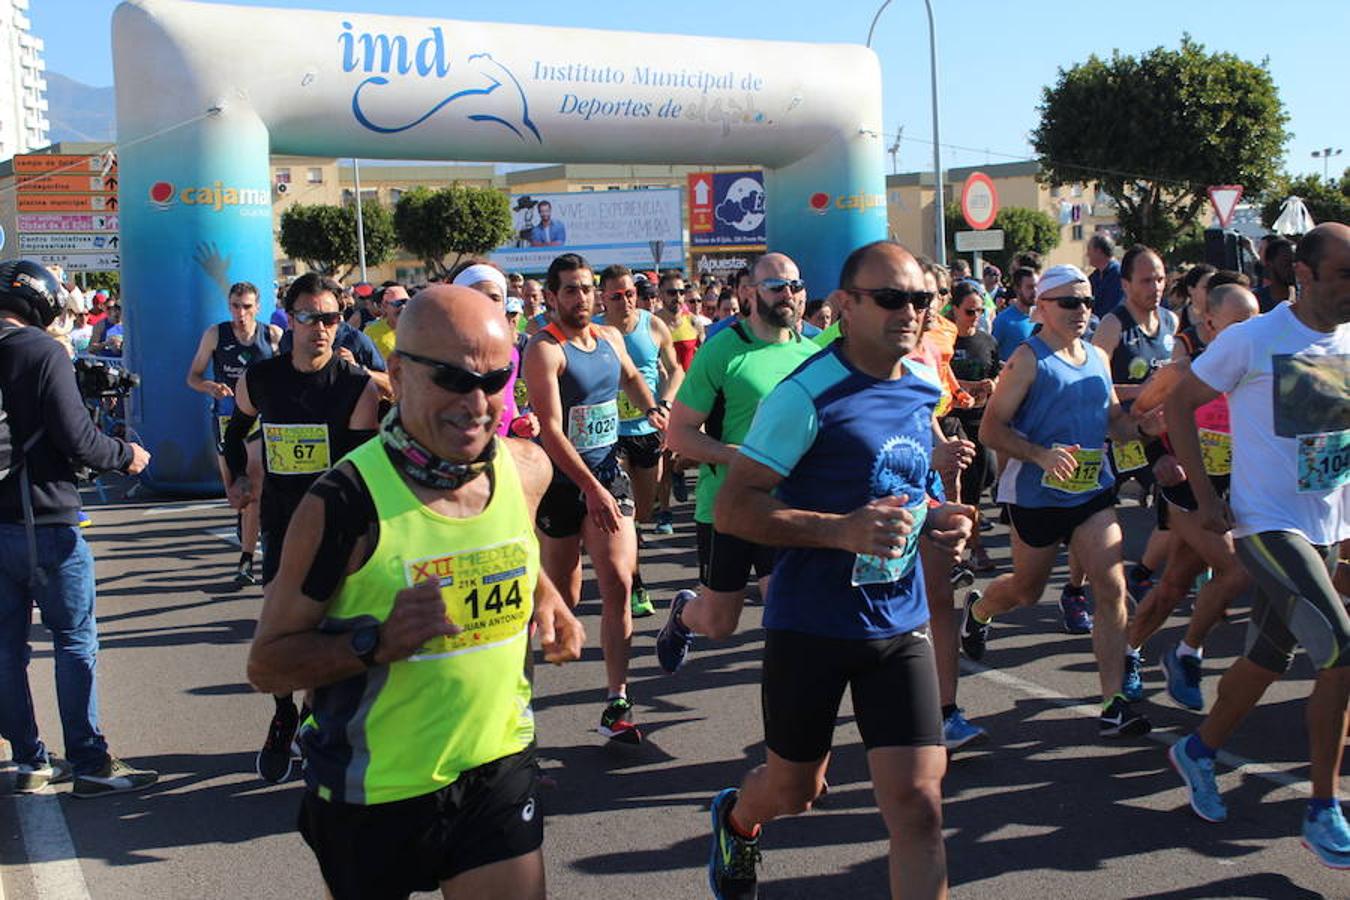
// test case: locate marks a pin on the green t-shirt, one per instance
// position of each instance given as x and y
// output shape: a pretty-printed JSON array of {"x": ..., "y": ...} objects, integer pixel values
[
  {"x": 730, "y": 374},
  {"x": 828, "y": 336}
]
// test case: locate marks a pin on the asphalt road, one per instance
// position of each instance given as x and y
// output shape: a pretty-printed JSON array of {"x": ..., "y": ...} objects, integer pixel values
[{"x": 1045, "y": 809}]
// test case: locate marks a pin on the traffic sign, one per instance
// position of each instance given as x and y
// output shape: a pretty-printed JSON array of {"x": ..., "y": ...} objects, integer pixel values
[
  {"x": 1224, "y": 198},
  {"x": 979, "y": 201},
  {"x": 67, "y": 203},
  {"x": 46, "y": 184},
  {"x": 82, "y": 262},
  {"x": 53, "y": 243},
  {"x": 30, "y": 163},
  {"x": 979, "y": 241},
  {"x": 56, "y": 223}
]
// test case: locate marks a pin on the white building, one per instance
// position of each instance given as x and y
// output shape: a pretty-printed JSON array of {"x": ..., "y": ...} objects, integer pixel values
[{"x": 23, "y": 101}]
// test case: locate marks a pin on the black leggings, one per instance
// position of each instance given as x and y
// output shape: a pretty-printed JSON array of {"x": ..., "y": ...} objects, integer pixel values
[{"x": 979, "y": 474}]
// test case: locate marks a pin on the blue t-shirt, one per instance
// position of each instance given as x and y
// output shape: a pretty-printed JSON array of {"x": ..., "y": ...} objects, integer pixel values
[
  {"x": 724, "y": 322},
  {"x": 1107, "y": 291},
  {"x": 822, "y": 426},
  {"x": 552, "y": 233},
  {"x": 1011, "y": 328},
  {"x": 810, "y": 332},
  {"x": 362, "y": 348}
]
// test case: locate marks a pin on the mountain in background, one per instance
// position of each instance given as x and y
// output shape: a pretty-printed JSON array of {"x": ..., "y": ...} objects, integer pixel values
[{"x": 79, "y": 112}]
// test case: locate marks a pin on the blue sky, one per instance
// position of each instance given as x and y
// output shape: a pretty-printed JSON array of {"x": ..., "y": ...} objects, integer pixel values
[{"x": 994, "y": 55}]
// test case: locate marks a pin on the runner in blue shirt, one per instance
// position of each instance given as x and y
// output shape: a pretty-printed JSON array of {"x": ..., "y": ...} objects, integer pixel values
[{"x": 846, "y": 606}]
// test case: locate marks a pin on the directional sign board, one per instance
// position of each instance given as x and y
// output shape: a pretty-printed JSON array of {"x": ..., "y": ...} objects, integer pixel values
[
  {"x": 1224, "y": 198},
  {"x": 50, "y": 184},
  {"x": 67, "y": 202},
  {"x": 31, "y": 163},
  {"x": 81, "y": 262},
  {"x": 65, "y": 243},
  {"x": 57, "y": 223},
  {"x": 979, "y": 241}
]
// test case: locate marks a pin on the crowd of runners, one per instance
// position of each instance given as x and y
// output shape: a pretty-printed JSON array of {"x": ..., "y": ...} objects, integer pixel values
[{"x": 424, "y": 466}]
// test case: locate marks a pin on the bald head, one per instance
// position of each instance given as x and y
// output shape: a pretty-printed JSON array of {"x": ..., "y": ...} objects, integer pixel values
[
  {"x": 445, "y": 321},
  {"x": 1227, "y": 297},
  {"x": 887, "y": 253},
  {"x": 770, "y": 264}
]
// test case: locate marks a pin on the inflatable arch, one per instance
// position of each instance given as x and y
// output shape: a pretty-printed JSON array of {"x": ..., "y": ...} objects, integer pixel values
[{"x": 206, "y": 92}]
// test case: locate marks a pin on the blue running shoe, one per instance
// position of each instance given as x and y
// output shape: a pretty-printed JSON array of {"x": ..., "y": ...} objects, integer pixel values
[
  {"x": 1201, "y": 789},
  {"x": 1183, "y": 679},
  {"x": 1328, "y": 836},
  {"x": 731, "y": 866},
  {"x": 665, "y": 522},
  {"x": 83, "y": 519},
  {"x": 957, "y": 731},
  {"x": 1073, "y": 604},
  {"x": 674, "y": 640},
  {"x": 1132, "y": 683}
]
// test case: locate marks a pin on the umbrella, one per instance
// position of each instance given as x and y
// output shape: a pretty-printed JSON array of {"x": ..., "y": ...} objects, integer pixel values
[{"x": 1294, "y": 218}]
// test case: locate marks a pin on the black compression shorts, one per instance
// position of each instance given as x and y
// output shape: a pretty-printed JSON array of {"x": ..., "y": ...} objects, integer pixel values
[
  {"x": 725, "y": 561},
  {"x": 563, "y": 507},
  {"x": 1045, "y": 526}
]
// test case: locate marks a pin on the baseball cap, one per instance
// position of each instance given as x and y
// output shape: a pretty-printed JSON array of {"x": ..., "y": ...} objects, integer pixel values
[
  {"x": 514, "y": 305},
  {"x": 363, "y": 289},
  {"x": 1059, "y": 276}
]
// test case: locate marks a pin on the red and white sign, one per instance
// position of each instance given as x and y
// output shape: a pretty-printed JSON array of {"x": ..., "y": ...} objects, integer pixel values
[
  {"x": 979, "y": 201},
  {"x": 1224, "y": 198},
  {"x": 700, "y": 202}
]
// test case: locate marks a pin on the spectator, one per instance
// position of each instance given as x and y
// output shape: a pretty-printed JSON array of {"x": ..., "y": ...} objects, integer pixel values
[
  {"x": 1107, "y": 291},
  {"x": 1278, "y": 284}
]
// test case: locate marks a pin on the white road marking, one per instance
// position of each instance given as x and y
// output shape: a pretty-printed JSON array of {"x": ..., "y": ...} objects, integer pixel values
[
  {"x": 178, "y": 507},
  {"x": 50, "y": 853},
  {"x": 1232, "y": 760}
]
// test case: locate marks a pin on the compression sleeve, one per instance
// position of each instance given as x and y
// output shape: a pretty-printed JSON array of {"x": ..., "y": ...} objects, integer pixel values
[
  {"x": 236, "y": 457},
  {"x": 348, "y": 515}
]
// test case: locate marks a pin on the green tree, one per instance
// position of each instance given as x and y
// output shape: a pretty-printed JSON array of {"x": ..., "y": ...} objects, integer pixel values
[
  {"x": 1155, "y": 131},
  {"x": 1327, "y": 201},
  {"x": 459, "y": 220},
  {"x": 1023, "y": 229},
  {"x": 324, "y": 236}
]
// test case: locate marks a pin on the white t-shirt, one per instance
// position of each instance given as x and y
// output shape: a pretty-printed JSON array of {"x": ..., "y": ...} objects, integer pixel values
[{"x": 1288, "y": 390}]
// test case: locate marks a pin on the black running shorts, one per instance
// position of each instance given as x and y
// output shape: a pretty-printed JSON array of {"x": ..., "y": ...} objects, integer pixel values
[
  {"x": 893, "y": 680},
  {"x": 271, "y": 553},
  {"x": 1046, "y": 526},
  {"x": 725, "y": 561},
  {"x": 563, "y": 507},
  {"x": 1182, "y": 497},
  {"x": 643, "y": 451},
  {"x": 390, "y": 850}
]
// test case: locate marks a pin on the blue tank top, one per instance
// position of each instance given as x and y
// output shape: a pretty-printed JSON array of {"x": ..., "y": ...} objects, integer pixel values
[
  {"x": 1138, "y": 354},
  {"x": 588, "y": 388},
  {"x": 646, "y": 356},
  {"x": 1067, "y": 404},
  {"x": 231, "y": 358}
]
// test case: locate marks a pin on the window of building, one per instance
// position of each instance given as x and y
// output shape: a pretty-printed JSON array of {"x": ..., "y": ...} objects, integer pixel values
[
  {"x": 287, "y": 267},
  {"x": 282, "y": 176},
  {"x": 395, "y": 195},
  {"x": 1077, "y": 232},
  {"x": 314, "y": 175}
]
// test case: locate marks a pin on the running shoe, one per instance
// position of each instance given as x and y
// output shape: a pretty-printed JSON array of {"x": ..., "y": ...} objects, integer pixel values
[
  {"x": 974, "y": 634},
  {"x": 1328, "y": 836},
  {"x": 1073, "y": 605},
  {"x": 1183, "y": 679},
  {"x": 665, "y": 522},
  {"x": 1138, "y": 585},
  {"x": 83, "y": 519},
  {"x": 962, "y": 576},
  {"x": 957, "y": 731},
  {"x": 29, "y": 779},
  {"x": 116, "y": 777},
  {"x": 244, "y": 577},
  {"x": 731, "y": 865},
  {"x": 1202, "y": 791},
  {"x": 276, "y": 759},
  {"x": 1132, "y": 682},
  {"x": 679, "y": 487},
  {"x": 641, "y": 603},
  {"x": 981, "y": 562},
  {"x": 673, "y": 641},
  {"x": 616, "y": 722},
  {"x": 1120, "y": 720}
]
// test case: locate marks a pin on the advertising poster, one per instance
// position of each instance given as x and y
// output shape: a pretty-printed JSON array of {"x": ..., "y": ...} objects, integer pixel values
[
  {"x": 639, "y": 229},
  {"x": 726, "y": 209}
]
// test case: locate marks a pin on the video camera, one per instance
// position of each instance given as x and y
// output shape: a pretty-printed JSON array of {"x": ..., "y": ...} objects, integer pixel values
[
  {"x": 97, "y": 378},
  {"x": 525, "y": 204}
]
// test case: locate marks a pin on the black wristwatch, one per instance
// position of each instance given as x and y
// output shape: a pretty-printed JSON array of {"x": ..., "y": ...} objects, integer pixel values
[
  {"x": 664, "y": 404},
  {"x": 365, "y": 641}
]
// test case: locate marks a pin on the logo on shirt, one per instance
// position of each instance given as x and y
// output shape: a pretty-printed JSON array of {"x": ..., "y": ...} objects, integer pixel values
[{"x": 900, "y": 469}]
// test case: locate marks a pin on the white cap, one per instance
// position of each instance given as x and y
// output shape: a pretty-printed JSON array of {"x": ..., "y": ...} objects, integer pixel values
[{"x": 1059, "y": 276}]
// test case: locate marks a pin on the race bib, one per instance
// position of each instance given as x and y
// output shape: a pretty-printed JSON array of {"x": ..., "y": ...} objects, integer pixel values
[
  {"x": 591, "y": 427},
  {"x": 296, "y": 449},
  {"x": 1086, "y": 477},
  {"x": 1323, "y": 461},
  {"x": 869, "y": 569},
  {"x": 627, "y": 411},
  {"x": 521, "y": 392},
  {"x": 1216, "y": 448},
  {"x": 485, "y": 593},
  {"x": 1128, "y": 456}
]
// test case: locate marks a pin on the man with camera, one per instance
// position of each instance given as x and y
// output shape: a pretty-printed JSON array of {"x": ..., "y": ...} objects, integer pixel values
[{"x": 45, "y": 434}]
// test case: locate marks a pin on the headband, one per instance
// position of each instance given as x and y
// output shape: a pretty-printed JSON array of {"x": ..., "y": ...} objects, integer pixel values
[{"x": 480, "y": 272}]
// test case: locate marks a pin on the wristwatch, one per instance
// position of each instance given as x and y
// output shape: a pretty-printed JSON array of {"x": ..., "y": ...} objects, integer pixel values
[
  {"x": 664, "y": 404},
  {"x": 365, "y": 641}
]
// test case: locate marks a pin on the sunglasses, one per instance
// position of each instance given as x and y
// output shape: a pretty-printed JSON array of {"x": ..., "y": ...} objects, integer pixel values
[
  {"x": 397, "y": 304},
  {"x": 944, "y": 292},
  {"x": 795, "y": 285},
  {"x": 676, "y": 292},
  {"x": 1072, "y": 302},
  {"x": 327, "y": 319},
  {"x": 617, "y": 296},
  {"x": 970, "y": 312},
  {"x": 462, "y": 381},
  {"x": 893, "y": 298}
]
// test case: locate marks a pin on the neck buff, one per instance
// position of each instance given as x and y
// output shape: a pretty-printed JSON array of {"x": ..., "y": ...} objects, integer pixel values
[{"x": 425, "y": 467}]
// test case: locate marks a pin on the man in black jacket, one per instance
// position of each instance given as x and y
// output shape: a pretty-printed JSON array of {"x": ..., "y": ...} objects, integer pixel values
[{"x": 48, "y": 563}]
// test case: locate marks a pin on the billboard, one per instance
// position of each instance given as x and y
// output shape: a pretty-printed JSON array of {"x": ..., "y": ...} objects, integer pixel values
[
  {"x": 726, "y": 209},
  {"x": 722, "y": 263},
  {"x": 606, "y": 227}
]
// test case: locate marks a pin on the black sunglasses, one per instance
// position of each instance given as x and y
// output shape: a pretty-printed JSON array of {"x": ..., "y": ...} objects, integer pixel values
[
  {"x": 795, "y": 285},
  {"x": 397, "y": 304},
  {"x": 462, "y": 381},
  {"x": 676, "y": 292},
  {"x": 894, "y": 298},
  {"x": 1072, "y": 302},
  {"x": 328, "y": 319}
]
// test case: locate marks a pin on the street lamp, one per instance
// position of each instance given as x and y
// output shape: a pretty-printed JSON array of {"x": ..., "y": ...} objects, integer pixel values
[
  {"x": 1324, "y": 155},
  {"x": 939, "y": 201}
]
